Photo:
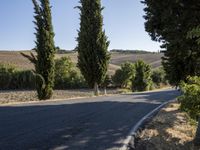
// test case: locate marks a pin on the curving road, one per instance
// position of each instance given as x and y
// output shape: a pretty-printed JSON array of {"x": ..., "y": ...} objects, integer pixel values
[{"x": 86, "y": 124}]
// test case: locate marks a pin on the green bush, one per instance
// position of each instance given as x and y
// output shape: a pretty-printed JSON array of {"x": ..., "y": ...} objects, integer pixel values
[
  {"x": 6, "y": 72},
  {"x": 142, "y": 80},
  {"x": 75, "y": 79},
  {"x": 12, "y": 78},
  {"x": 122, "y": 77},
  {"x": 190, "y": 100},
  {"x": 67, "y": 75},
  {"x": 24, "y": 79},
  {"x": 159, "y": 77}
]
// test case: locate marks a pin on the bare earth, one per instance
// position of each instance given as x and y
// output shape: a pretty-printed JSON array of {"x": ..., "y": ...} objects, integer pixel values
[
  {"x": 27, "y": 96},
  {"x": 169, "y": 130}
]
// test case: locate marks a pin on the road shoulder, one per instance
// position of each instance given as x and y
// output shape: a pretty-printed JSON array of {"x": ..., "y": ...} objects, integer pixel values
[{"x": 169, "y": 128}]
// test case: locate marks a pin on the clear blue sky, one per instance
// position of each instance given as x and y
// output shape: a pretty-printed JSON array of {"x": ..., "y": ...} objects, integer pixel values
[{"x": 123, "y": 23}]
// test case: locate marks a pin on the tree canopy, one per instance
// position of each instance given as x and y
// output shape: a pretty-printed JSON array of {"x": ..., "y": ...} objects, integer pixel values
[{"x": 169, "y": 22}]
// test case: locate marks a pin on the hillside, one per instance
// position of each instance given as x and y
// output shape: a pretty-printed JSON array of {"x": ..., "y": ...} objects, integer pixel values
[{"x": 117, "y": 58}]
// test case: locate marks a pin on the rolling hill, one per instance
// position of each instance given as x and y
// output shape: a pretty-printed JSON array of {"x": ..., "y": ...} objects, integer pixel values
[{"x": 117, "y": 58}]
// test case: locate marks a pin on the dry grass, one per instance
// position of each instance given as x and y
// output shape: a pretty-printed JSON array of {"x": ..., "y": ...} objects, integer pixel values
[
  {"x": 152, "y": 58},
  {"x": 16, "y": 59},
  {"x": 169, "y": 130}
]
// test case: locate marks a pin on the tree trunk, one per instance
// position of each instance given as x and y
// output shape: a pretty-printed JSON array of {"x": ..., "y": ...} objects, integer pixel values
[
  {"x": 197, "y": 138},
  {"x": 96, "y": 89},
  {"x": 105, "y": 91}
]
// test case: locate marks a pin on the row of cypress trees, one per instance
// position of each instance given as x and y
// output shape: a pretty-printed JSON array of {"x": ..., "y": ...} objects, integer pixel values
[{"x": 93, "y": 56}]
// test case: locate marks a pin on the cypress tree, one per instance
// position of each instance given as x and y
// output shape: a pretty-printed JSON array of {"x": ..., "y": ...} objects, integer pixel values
[
  {"x": 93, "y": 56},
  {"x": 45, "y": 49}
]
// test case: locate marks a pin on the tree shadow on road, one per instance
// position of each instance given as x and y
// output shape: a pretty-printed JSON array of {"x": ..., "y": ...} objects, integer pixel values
[
  {"x": 159, "y": 96},
  {"x": 78, "y": 126}
]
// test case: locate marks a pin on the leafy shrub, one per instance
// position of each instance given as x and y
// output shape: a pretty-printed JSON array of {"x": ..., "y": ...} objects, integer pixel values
[
  {"x": 142, "y": 80},
  {"x": 190, "y": 100},
  {"x": 67, "y": 75},
  {"x": 159, "y": 77},
  {"x": 75, "y": 79},
  {"x": 122, "y": 77},
  {"x": 118, "y": 79},
  {"x": 12, "y": 78},
  {"x": 22, "y": 79},
  {"x": 6, "y": 72}
]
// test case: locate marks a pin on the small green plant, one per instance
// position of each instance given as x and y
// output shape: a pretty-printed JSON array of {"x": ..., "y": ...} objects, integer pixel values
[{"x": 190, "y": 100}]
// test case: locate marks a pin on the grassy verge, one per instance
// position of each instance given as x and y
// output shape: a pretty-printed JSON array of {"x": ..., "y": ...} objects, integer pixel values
[{"x": 171, "y": 129}]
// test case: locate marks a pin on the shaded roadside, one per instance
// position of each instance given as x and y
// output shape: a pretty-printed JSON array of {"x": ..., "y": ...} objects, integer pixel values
[
  {"x": 171, "y": 129},
  {"x": 98, "y": 123}
]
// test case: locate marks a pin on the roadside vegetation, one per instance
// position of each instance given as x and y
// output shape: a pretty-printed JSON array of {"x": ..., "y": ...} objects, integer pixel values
[
  {"x": 91, "y": 71},
  {"x": 170, "y": 129},
  {"x": 68, "y": 76},
  {"x": 139, "y": 76},
  {"x": 179, "y": 36},
  {"x": 180, "y": 39}
]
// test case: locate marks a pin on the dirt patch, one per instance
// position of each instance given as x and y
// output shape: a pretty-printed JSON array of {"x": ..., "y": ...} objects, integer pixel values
[
  {"x": 171, "y": 129},
  {"x": 27, "y": 96}
]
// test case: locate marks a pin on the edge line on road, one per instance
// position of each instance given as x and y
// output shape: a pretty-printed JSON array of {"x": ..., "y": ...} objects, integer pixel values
[{"x": 129, "y": 142}]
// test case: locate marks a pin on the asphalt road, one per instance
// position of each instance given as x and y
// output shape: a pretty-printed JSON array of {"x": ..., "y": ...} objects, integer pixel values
[{"x": 86, "y": 124}]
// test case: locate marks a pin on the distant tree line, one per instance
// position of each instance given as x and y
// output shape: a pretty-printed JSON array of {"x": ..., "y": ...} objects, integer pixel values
[{"x": 131, "y": 51}]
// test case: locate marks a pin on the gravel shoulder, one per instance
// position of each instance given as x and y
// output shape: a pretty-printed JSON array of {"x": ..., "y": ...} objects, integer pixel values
[{"x": 171, "y": 129}]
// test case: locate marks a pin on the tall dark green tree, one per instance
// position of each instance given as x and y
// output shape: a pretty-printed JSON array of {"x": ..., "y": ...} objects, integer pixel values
[
  {"x": 169, "y": 22},
  {"x": 45, "y": 49},
  {"x": 195, "y": 35},
  {"x": 93, "y": 56}
]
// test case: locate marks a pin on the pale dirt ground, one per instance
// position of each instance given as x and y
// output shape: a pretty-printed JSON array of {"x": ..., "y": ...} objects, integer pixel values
[
  {"x": 27, "y": 96},
  {"x": 171, "y": 129}
]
